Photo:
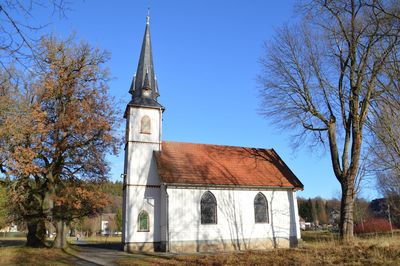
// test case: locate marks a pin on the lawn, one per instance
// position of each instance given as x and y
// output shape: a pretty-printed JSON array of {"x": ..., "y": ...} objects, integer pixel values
[
  {"x": 322, "y": 248},
  {"x": 319, "y": 248},
  {"x": 13, "y": 252},
  {"x": 96, "y": 239}
]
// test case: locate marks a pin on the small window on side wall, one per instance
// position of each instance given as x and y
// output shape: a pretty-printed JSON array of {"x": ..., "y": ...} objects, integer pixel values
[
  {"x": 208, "y": 205},
  {"x": 261, "y": 209},
  {"x": 145, "y": 125},
  {"x": 143, "y": 221}
]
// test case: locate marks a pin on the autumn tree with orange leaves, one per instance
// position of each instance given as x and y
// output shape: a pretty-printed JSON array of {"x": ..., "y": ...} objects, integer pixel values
[
  {"x": 75, "y": 200},
  {"x": 62, "y": 129}
]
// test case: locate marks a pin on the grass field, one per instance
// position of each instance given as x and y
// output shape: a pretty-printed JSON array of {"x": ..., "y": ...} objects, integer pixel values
[
  {"x": 321, "y": 248},
  {"x": 96, "y": 239},
  {"x": 34, "y": 256},
  {"x": 13, "y": 252}
]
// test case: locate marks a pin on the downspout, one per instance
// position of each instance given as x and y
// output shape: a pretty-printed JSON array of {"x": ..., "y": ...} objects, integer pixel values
[
  {"x": 167, "y": 202},
  {"x": 296, "y": 215}
]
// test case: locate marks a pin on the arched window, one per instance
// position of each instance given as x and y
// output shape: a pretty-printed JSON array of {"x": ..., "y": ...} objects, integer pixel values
[
  {"x": 145, "y": 125},
  {"x": 143, "y": 221},
  {"x": 260, "y": 209},
  {"x": 208, "y": 205}
]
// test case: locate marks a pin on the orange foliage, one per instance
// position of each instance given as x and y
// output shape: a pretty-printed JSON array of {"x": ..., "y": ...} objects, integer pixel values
[
  {"x": 58, "y": 131},
  {"x": 77, "y": 201}
]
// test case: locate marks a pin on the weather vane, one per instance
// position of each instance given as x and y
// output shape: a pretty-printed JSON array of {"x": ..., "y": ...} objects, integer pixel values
[
  {"x": 148, "y": 16},
  {"x": 148, "y": 13}
]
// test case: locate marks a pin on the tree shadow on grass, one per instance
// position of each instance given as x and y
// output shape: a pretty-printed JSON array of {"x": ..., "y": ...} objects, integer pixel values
[
  {"x": 12, "y": 242},
  {"x": 110, "y": 246},
  {"x": 14, "y": 252},
  {"x": 41, "y": 256}
]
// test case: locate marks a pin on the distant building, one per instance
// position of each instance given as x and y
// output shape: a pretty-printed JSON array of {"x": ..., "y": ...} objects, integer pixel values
[
  {"x": 105, "y": 230},
  {"x": 334, "y": 217},
  {"x": 199, "y": 197},
  {"x": 107, "y": 221},
  {"x": 10, "y": 228},
  {"x": 302, "y": 223}
]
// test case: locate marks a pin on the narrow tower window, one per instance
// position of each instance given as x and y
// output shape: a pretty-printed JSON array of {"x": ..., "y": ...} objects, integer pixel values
[
  {"x": 208, "y": 206},
  {"x": 145, "y": 125},
  {"x": 143, "y": 221},
  {"x": 260, "y": 209}
]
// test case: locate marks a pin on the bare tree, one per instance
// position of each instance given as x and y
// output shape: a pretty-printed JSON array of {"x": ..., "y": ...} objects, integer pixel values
[
  {"x": 321, "y": 76},
  {"x": 385, "y": 123},
  {"x": 17, "y": 28},
  {"x": 385, "y": 146}
]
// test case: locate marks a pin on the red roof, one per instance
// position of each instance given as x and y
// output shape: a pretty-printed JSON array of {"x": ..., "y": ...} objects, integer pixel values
[{"x": 203, "y": 164}]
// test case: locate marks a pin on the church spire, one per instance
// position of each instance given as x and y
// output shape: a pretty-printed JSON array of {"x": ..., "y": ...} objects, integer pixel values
[{"x": 144, "y": 87}]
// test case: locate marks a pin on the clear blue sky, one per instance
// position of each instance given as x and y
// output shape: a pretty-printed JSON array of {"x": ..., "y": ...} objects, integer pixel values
[{"x": 206, "y": 61}]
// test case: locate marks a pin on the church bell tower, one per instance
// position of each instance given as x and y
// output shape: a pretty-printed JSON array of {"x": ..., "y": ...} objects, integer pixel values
[{"x": 141, "y": 195}]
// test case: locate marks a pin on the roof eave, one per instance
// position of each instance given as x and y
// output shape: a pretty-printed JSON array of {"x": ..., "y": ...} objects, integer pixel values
[
  {"x": 159, "y": 107},
  {"x": 301, "y": 186},
  {"x": 229, "y": 186}
]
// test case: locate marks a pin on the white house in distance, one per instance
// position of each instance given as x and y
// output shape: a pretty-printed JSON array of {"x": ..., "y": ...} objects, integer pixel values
[{"x": 186, "y": 197}]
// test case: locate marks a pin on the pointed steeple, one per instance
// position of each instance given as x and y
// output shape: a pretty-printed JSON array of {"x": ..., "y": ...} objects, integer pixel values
[{"x": 144, "y": 87}]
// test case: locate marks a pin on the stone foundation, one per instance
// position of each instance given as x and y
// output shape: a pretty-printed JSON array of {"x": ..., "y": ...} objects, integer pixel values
[
  {"x": 145, "y": 247},
  {"x": 212, "y": 246},
  {"x": 227, "y": 245},
  {"x": 293, "y": 241}
]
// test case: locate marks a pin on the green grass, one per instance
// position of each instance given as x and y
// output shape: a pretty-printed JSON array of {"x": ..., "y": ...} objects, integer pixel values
[{"x": 96, "y": 239}]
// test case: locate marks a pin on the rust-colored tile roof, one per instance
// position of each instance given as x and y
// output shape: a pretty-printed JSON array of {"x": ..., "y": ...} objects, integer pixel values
[{"x": 203, "y": 164}]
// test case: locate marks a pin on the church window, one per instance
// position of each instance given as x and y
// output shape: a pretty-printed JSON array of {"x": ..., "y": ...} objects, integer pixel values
[
  {"x": 260, "y": 208},
  {"x": 208, "y": 205},
  {"x": 143, "y": 221},
  {"x": 145, "y": 125}
]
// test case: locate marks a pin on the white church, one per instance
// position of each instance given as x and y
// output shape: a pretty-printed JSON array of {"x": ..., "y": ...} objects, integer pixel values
[{"x": 187, "y": 197}]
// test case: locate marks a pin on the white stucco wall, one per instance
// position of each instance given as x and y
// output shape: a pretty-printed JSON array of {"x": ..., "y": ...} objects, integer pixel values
[
  {"x": 235, "y": 215},
  {"x": 174, "y": 212},
  {"x": 133, "y": 124},
  {"x": 141, "y": 183},
  {"x": 143, "y": 199}
]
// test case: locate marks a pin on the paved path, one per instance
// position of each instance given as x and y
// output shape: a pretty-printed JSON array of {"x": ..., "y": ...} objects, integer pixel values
[
  {"x": 96, "y": 255},
  {"x": 103, "y": 254},
  {"x": 76, "y": 261},
  {"x": 106, "y": 254}
]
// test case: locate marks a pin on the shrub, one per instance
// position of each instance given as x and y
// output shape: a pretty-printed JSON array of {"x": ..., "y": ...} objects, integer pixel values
[{"x": 373, "y": 225}]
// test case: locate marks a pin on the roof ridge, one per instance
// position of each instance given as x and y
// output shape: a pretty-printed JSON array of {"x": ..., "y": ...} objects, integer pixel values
[{"x": 220, "y": 145}]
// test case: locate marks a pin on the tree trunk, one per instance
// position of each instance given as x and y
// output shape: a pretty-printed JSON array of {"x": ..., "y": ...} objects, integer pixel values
[
  {"x": 347, "y": 211},
  {"x": 36, "y": 233},
  {"x": 61, "y": 235}
]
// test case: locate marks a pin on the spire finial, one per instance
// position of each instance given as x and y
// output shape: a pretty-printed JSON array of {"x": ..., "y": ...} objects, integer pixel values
[{"x": 148, "y": 16}]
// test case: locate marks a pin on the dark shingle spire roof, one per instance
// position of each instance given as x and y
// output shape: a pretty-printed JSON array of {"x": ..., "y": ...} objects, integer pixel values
[{"x": 145, "y": 78}]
